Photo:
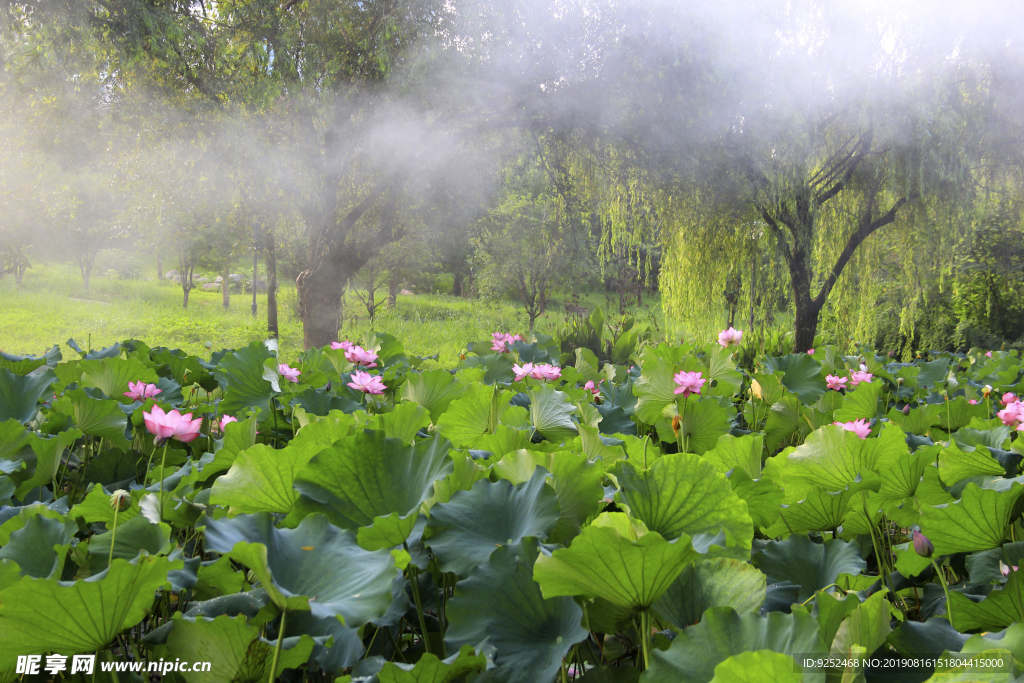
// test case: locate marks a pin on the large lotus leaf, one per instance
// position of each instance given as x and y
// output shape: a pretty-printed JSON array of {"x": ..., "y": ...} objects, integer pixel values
[
  {"x": 861, "y": 403},
  {"x": 23, "y": 365},
  {"x": 466, "y": 530},
  {"x": 370, "y": 476},
  {"x": 112, "y": 375},
  {"x": 722, "y": 633},
  {"x": 238, "y": 436},
  {"x": 703, "y": 423},
  {"x": 260, "y": 480},
  {"x": 721, "y": 369},
  {"x": 763, "y": 666},
  {"x": 932, "y": 373},
  {"x": 957, "y": 413},
  {"x": 866, "y": 626},
  {"x": 900, "y": 478},
  {"x": 13, "y": 440},
  {"x": 20, "y": 394},
  {"x": 136, "y": 535},
  {"x": 743, "y": 452},
  {"x": 762, "y": 496},
  {"x": 823, "y": 510},
  {"x": 497, "y": 367},
  {"x": 958, "y": 462},
  {"x": 655, "y": 389},
  {"x": 682, "y": 494},
  {"x": 48, "y": 452},
  {"x": 783, "y": 420},
  {"x": 403, "y": 423},
  {"x": 832, "y": 457},
  {"x": 240, "y": 374},
  {"x": 611, "y": 562},
  {"x": 234, "y": 649},
  {"x": 433, "y": 390},
  {"x": 999, "y": 609},
  {"x": 318, "y": 402},
  {"x": 95, "y": 507},
  {"x": 102, "y": 418},
  {"x": 934, "y": 635},
  {"x": 473, "y": 415},
  {"x": 430, "y": 669},
  {"x": 551, "y": 413},
  {"x": 47, "y": 615},
  {"x": 315, "y": 566},
  {"x": 40, "y": 546},
  {"x": 1011, "y": 640},
  {"x": 801, "y": 375},
  {"x": 501, "y": 602},
  {"x": 830, "y": 610},
  {"x": 721, "y": 582},
  {"x": 975, "y": 522},
  {"x": 810, "y": 565},
  {"x": 576, "y": 480}
]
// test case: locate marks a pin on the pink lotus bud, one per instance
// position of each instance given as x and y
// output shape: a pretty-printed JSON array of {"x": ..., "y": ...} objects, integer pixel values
[{"x": 922, "y": 546}]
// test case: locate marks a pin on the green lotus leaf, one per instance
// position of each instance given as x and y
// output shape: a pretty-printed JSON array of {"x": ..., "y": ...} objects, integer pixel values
[
  {"x": 20, "y": 394},
  {"x": 133, "y": 536},
  {"x": 13, "y": 440},
  {"x": 900, "y": 478},
  {"x": 932, "y": 373},
  {"x": 732, "y": 452},
  {"x": 497, "y": 367},
  {"x": 1000, "y": 608},
  {"x": 318, "y": 402},
  {"x": 1011, "y": 640},
  {"x": 801, "y": 375},
  {"x": 102, "y": 418},
  {"x": 48, "y": 455},
  {"x": 721, "y": 369},
  {"x": 430, "y": 669},
  {"x": 610, "y": 674},
  {"x": 722, "y": 633},
  {"x": 763, "y": 666},
  {"x": 721, "y": 582},
  {"x": 702, "y": 423},
  {"x": 576, "y": 480},
  {"x": 92, "y": 611},
  {"x": 241, "y": 376},
  {"x": 994, "y": 437},
  {"x": 977, "y": 521},
  {"x": 763, "y": 497},
  {"x": 783, "y": 421},
  {"x": 822, "y": 511},
  {"x": 433, "y": 390},
  {"x": 401, "y": 423},
  {"x": 957, "y": 462},
  {"x": 682, "y": 494},
  {"x": 866, "y": 626},
  {"x": 504, "y": 440},
  {"x": 501, "y": 602},
  {"x": 316, "y": 566},
  {"x": 587, "y": 364},
  {"x": 831, "y": 609},
  {"x": 654, "y": 390},
  {"x": 234, "y": 649},
  {"x": 807, "y": 564},
  {"x": 370, "y": 476},
  {"x": 238, "y": 436},
  {"x": 40, "y": 546},
  {"x": 465, "y": 531},
  {"x": 919, "y": 420},
  {"x": 860, "y": 403},
  {"x": 260, "y": 480},
  {"x": 613, "y": 563},
  {"x": 95, "y": 507},
  {"x": 23, "y": 365},
  {"x": 832, "y": 457},
  {"x": 550, "y": 413},
  {"x": 473, "y": 415},
  {"x": 112, "y": 375},
  {"x": 934, "y": 635},
  {"x": 956, "y": 413}
]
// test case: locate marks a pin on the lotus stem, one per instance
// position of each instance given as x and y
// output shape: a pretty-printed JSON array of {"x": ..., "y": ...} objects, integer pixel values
[
  {"x": 163, "y": 460},
  {"x": 945, "y": 589},
  {"x": 414, "y": 579},
  {"x": 277, "y": 648},
  {"x": 645, "y": 637},
  {"x": 113, "y": 535}
]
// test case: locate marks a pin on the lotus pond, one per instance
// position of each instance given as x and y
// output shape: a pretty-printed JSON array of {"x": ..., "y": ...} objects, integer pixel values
[{"x": 576, "y": 509}]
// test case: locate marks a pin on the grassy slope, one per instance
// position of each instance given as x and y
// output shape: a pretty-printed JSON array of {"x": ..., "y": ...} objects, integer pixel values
[{"x": 47, "y": 309}]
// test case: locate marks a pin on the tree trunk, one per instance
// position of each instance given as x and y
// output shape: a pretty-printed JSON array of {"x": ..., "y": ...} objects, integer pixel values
[
  {"x": 225, "y": 287},
  {"x": 457, "y": 283},
  {"x": 392, "y": 292},
  {"x": 159, "y": 265},
  {"x": 184, "y": 301},
  {"x": 271, "y": 268},
  {"x": 320, "y": 305}
]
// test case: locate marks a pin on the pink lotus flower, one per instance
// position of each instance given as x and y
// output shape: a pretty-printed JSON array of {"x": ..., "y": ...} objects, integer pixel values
[
  {"x": 1008, "y": 399},
  {"x": 1004, "y": 569},
  {"x": 173, "y": 424},
  {"x": 501, "y": 342},
  {"x": 360, "y": 356},
  {"x": 288, "y": 372},
  {"x": 858, "y": 377},
  {"x": 522, "y": 372},
  {"x": 688, "y": 383},
  {"x": 225, "y": 420},
  {"x": 988, "y": 354},
  {"x": 346, "y": 345},
  {"x": 730, "y": 337},
  {"x": 546, "y": 371},
  {"x": 1012, "y": 415},
  {"x": 140, "y": 391},
  {"x": 859, "y": 427},
  {"x": 973, "y": 402},
  {"x": 367, "y": 383},
  {"x": 589, "y": 386},
  {"x": 810, "y": 352},
  {"x": 835, "y": 382}
]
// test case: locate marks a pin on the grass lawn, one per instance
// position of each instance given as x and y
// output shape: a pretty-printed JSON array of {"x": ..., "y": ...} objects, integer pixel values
[{"x": 51, "y": 306}]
